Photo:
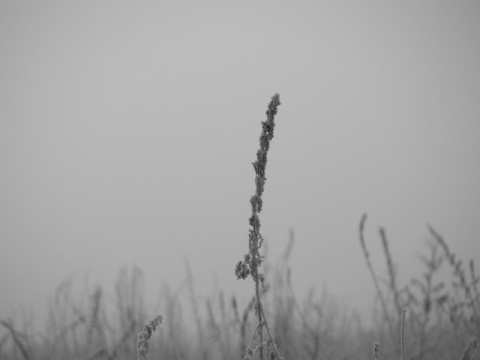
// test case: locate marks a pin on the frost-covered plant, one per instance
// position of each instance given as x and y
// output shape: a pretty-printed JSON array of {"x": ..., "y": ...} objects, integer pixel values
[
  {"x": 145, "y": 335},
  {"x": 253, "y": 260}
]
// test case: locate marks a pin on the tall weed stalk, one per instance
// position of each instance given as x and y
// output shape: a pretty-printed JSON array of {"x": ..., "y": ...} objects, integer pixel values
[{"x": 253, "y": 259}]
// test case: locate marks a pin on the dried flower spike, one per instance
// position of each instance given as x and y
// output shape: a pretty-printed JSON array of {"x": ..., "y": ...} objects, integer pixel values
[
  {"x": 145, "y": 335},
  {"x": 253, "y": 260}
]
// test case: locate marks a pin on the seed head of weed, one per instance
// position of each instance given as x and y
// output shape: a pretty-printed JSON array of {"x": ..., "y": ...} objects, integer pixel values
[
  {"x": 145, "y": 335},
  {"x": 253, "y": 260}
]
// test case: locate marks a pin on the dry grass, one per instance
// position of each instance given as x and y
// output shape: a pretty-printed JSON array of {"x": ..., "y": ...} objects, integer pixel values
[
  {"x": 105, "y": 326},
  {"x": 252, "y": 261},
  {"x": 443, "y": 319}
]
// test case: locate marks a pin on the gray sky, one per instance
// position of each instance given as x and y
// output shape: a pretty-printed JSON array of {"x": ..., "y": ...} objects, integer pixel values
[{"x": 128, "y": 129}]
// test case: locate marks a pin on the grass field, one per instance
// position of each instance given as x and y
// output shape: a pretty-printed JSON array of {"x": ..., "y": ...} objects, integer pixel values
[{"x": 442, "y": 319}]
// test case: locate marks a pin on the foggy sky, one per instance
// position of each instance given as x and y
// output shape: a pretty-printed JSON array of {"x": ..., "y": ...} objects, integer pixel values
[{"x": 128, "y": 129}]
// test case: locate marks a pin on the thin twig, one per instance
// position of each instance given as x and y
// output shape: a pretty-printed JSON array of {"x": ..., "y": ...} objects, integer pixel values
[
  {"x": 374, "y": 278},
  {"x": 15, "y": 338},
  {"x": 402, "y": 334}
]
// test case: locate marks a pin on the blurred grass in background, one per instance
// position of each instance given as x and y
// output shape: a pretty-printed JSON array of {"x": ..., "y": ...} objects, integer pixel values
[{"x": 442, "y": 319}]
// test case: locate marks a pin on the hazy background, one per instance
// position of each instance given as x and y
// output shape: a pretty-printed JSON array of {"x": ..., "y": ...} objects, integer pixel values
[{"x": 128, "y": 129}]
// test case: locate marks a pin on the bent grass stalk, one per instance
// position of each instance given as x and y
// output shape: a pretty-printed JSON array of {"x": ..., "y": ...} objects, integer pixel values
[
  {"x": 145, "y": 335},
  {"x": 16, "y": 339},
  {"x": 253, "y": 260},
  {"x": 391, "y": 273},
  {"x": 366, "y": 254},
  {"x": 470, "y": 290}
]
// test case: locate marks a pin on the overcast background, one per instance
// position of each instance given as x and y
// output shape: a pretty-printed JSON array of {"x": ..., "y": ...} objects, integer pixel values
[{"x": 128, "y": 129}]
